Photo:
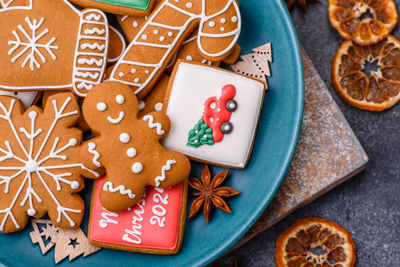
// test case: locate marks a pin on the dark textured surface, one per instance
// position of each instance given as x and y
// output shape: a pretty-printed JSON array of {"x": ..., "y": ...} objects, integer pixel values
[{"x": 368, "y": 205}]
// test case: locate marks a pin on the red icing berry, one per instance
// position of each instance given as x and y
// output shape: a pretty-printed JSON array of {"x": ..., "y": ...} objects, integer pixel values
[{"x": 216, "y": 113}]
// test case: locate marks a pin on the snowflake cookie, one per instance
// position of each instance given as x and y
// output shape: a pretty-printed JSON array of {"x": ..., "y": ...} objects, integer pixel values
[
  {"x": 128, "y": 147},
  {"x": 214, "y": 113},
  {"x": 37, "y": 53},
  {"x": 40, "y": 170}
]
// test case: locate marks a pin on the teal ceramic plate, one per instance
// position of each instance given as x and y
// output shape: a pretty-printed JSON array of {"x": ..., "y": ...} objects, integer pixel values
[{"x": 263, "y": 21}]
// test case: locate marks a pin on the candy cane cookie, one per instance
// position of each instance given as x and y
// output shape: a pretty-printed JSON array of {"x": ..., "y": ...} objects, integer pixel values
[{"x": 219, "y": 26}]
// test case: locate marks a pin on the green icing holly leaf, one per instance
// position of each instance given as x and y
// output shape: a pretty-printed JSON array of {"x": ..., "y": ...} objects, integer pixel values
[{"x": 200, "y": 135}]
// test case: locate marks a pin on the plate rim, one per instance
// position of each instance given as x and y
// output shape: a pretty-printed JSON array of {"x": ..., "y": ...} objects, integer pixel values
[{"x": 293, "y": 142}]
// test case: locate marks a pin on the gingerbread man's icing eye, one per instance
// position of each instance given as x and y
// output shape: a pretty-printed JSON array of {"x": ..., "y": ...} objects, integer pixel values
[
  {"x": 101, "y": 106},
  {"x": 120, "y": 99}
]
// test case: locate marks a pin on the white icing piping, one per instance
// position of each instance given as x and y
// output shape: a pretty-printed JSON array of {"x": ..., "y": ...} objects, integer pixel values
[
  {"x": 96, "y": 155},
  {"x": 117, "y": 120},
  {"x": 182, "y": 30},
  {"x": 153, "y": 125},
  {"x": 109, "y": 187},
  {"x": 136, "y": 226},
  {"x": 164, "y": 169},
  {"x": 103, "y": 223}
]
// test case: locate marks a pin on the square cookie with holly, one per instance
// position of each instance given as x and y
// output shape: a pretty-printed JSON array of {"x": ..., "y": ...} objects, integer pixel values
[
  {"x": 214, "y": 114},
  {"x": 155, "y": 225}
]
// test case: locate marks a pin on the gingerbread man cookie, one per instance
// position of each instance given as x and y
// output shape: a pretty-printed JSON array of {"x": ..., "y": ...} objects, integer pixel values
[
  {"x": 40, "y": 169},
  {"x": 128, "y": 147},
  {"x": 38, "y": 53},
  {"x": 218, "y": 23}
]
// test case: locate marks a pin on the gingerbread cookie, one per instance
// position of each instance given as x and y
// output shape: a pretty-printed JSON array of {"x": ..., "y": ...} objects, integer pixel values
[
  {"x": 5, "y": 4},
  {"x": 40, "y": 169},
  {"x": 117, "y": 45},
  {"x": 189, "y": 50},
  {"x": 81, "y": 123},
  {"x": 214, "y": 113},
  {"x": 154, "y": 101},
  {"x": 37, "y": 53},
  {"x": 155, "y": 225},
  {"x": 128, "y": 147},
  {"x": 169, "y": 25},
  {"x": 123, "y": 7}
]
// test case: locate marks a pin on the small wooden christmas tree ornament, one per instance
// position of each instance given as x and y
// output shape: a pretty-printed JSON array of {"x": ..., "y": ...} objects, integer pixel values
[
  {"x": 72, "y": 243},
  {"x": 256, "y": 64}
]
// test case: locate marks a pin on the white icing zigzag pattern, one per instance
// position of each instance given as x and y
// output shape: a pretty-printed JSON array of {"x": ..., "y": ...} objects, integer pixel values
[
  {"x": 95, "y": 30},
  {"x": 152, "y": 125},
  {"x": 33, "y": 161},
  {"x": 164, "y": 169},
  {"x": 91, "y": 149},
  {"x": 109, "y": 187},
  {"x": 93, "y": 46},
  {"x": 94, "y": 41}
]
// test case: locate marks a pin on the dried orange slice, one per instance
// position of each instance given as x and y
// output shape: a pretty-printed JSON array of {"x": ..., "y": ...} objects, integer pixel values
[
  {"x": 315, "y": 242},
  {"x": 381, "y": 88},
  {"x": 363, "y": 21}
]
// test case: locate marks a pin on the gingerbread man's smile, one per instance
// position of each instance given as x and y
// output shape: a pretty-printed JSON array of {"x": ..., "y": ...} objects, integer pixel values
[{"x": 117, "y": 120}]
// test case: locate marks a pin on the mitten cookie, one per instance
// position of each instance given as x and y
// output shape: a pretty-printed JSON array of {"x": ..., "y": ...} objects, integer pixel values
[
  {"x": 40, "y": 169},
  {"x": 5, "y": 4},
  {"x": 124, "y": 7},
  {"x": 128, "y": 147},
  {"x": 171, "y": 22},
  {"x": 214, "y": 112},
  {"x": 38, "y": 53},
  {"x": 155, "y": 225}
]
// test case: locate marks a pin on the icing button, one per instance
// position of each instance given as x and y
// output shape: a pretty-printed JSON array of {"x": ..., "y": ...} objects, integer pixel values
[
  {"x": 120, "y": 99},
  {"x": 137, "y": 167},
  {"x": 124, "y": 138},
  {"x": 189, "y": 5},
  {"x": 135, "y": 24},
  {"x": 144, "y": 37},
  {"x": 211, "y": 24},
  {"x": 101, "y": 106},
  {"x": 131, "y": 152}
]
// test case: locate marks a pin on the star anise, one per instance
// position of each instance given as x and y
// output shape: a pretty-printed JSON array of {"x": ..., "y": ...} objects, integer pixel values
[
  {"x": 301, "y": 3},
  {"x": 210, "y": 194}
]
